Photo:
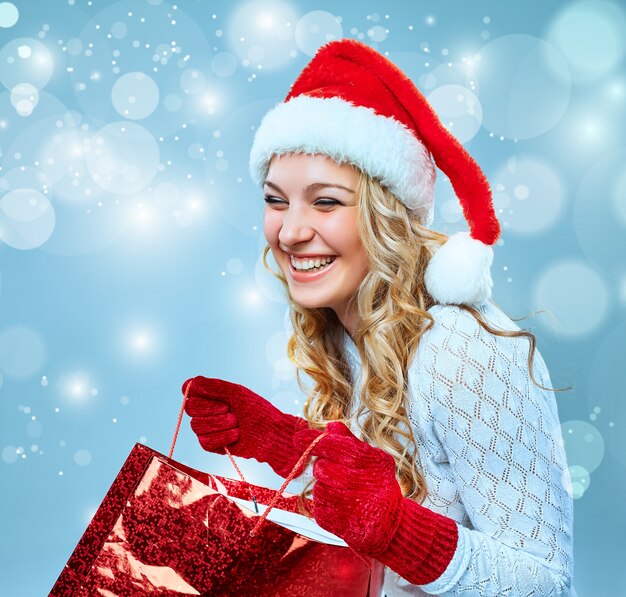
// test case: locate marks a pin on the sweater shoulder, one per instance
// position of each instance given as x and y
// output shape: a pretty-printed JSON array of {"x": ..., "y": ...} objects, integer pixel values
[{"x": 452, "y": 318}]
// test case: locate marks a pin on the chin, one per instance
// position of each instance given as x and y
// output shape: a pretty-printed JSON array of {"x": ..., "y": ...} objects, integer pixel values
[{"x": 308, "y": 302}]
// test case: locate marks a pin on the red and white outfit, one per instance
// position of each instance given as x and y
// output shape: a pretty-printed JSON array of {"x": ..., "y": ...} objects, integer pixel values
[{"x": 498, "y": 520}]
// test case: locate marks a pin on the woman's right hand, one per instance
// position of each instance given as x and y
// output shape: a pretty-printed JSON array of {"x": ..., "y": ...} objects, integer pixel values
[{"x": 225, "y": 414}]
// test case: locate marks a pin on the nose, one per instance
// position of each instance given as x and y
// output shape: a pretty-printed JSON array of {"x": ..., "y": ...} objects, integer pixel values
[{"x": 296, "y": 227}]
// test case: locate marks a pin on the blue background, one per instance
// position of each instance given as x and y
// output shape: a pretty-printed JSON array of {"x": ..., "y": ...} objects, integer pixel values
[{"x": 131, "y": 232}]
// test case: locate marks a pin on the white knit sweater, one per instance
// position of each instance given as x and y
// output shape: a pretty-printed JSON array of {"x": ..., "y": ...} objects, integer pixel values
[{"x": 492, "y": 455}]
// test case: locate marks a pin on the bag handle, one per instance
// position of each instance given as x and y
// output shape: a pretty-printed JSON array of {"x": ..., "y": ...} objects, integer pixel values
[{"x": 292, "y": 475}]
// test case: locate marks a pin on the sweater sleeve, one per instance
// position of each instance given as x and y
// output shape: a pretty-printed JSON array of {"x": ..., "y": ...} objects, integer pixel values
[{"x": 501, "y": 436}]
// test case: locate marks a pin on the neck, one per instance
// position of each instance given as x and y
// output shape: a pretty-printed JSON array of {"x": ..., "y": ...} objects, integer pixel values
[{"x": 350, "y": 319}]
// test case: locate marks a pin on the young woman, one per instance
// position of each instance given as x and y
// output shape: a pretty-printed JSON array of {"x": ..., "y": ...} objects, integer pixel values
[{"x": 442, "y": 456}]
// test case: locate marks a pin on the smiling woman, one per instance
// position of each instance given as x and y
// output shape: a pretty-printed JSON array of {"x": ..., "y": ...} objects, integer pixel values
[
  {"x": 313, "y": 221},
  {"x": 438, "y": 442}
]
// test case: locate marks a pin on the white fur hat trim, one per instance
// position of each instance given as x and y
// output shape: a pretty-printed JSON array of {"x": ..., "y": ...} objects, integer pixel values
[
  {"x": 460, "y": 272},
  {"x": 379, "y": 145}
]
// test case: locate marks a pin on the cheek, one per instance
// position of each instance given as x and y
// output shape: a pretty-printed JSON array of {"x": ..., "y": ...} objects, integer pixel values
[
  {"x": 271, "y": 227},
  {"x": 345, "y": 234}
]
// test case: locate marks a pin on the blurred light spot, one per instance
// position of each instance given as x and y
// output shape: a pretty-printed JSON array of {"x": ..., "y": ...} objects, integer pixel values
[
  {"x": 82, "y": 457},
  {"x": 316, "y": 28},
  {"x": 9, "y": 14},
  {"x": 591, "y": 37},
  {"x": 583, "y": 443},
  {"x": 600, "y": 215},
  {"x": 580, "y": 481},
  {"x": 9, "y": 454},
  {"x": 459, "y": 109},
  {"x": 22, "y": 352},
  {"x": 25, "y": 60},
  {"x": 566, "y": 290},
  {"x": 135, "y": 95},
  {"x": 27, "y": 219},
  {"x": 534, "y": 195},
  {"x": 510, "y": 66}
]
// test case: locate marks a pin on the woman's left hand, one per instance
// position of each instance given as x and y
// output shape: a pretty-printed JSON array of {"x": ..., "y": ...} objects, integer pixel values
[{"x": 356, "y": 495}]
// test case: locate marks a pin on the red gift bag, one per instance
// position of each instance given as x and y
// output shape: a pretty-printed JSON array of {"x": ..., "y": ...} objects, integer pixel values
[{"x": 166, "y": 529}]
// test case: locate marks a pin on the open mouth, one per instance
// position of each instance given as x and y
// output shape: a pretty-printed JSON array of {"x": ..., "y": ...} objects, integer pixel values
[
  {"x": 313, "y": 271},
  {"x": 312, "y": 268}
]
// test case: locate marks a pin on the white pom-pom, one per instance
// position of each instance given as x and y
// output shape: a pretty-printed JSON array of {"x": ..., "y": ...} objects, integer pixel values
[{"x": 460, "y": 272}]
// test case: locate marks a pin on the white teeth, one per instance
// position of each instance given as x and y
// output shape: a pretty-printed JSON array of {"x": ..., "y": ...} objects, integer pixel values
[{"x": 306, "y": 264}]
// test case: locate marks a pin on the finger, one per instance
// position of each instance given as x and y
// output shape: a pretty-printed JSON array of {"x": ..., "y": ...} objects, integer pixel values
[
  {"x": 334, "y": 475},
  {"x": 186, "y": 384},
  {"x": 211, "y": 387},
  {"x": 219, "y": 439},
  {"x": 198, "y": 405},
  {"x": 215, "y": 423},
  {"x": 338, "y": 448},
  {"x": 339, "y": 428},
  {"x": 304, "y": 438},
  {"x": 331, "y": 499}
]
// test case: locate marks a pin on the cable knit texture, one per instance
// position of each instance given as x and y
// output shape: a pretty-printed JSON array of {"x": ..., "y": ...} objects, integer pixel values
[
  {"x": 228, "y": 414},
  {"x": 492, "y": 455}
]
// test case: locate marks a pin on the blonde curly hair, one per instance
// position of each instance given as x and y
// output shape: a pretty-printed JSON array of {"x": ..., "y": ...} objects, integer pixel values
[{"x": 393, "y": 304}]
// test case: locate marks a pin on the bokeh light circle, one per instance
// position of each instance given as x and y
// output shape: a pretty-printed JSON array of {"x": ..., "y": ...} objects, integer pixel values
[
  {"x": 525, "y": 86},
  {"x": 534, "y": 195},
  {"x": 599, "y": 215},
  {"x": 22, "y": 351},
  {"x": 82, "y": 457},
  {"x": 580, "y": 481},
  {"x": 575, "y": 296},
  {"x": 256, "y": 33},
  {"x": 9, "y": 454},
  {"x": 119, "y": 30},
  {"x": 25, "y": 60},
  {"x": 124, "y": 158},
  {"x": 135, "y": 95},
  {"x": 607, "y": 375},
  {"x": 315, "y": 29},
  {"x": 377, "y": 33},
  {"x": 583, "y": 443},
  {"x": 192, "y": 81},
  {"x": 24, "y": 98},
  {"x": 590, "y": 35},
  {"x": 9, "y": 14},
  {"x": 74, "y": 46},
  {"x": 223, "y": 64},
  {"x": 459, "y": 110},
  {"x": 62, "y": 147},
  {"x": 227, "y": 165},
  {"x": 27, "y": 219}
]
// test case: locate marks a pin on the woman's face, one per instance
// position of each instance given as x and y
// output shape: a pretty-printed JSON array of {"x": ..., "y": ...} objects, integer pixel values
[{"x": 311, "y": 215}]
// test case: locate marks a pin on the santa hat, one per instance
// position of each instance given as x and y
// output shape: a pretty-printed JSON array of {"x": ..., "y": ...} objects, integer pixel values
[{"x": 354, "y": 105}]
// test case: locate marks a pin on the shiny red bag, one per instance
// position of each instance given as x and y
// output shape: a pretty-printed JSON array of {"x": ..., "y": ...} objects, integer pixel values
[{"x": 166, "y": 529}]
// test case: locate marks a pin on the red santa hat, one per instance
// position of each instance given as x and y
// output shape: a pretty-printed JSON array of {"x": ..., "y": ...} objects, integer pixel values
[{"x": 354, "y": 105}]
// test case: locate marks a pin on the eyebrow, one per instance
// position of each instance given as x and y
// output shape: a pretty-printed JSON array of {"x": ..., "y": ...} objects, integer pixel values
[{"x": 314, "y": 186}]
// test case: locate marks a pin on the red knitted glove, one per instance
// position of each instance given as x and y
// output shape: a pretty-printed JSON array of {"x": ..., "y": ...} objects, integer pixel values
[
  {"x": 228, "y": 414},
  {"x": 357, "y": 497}
]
